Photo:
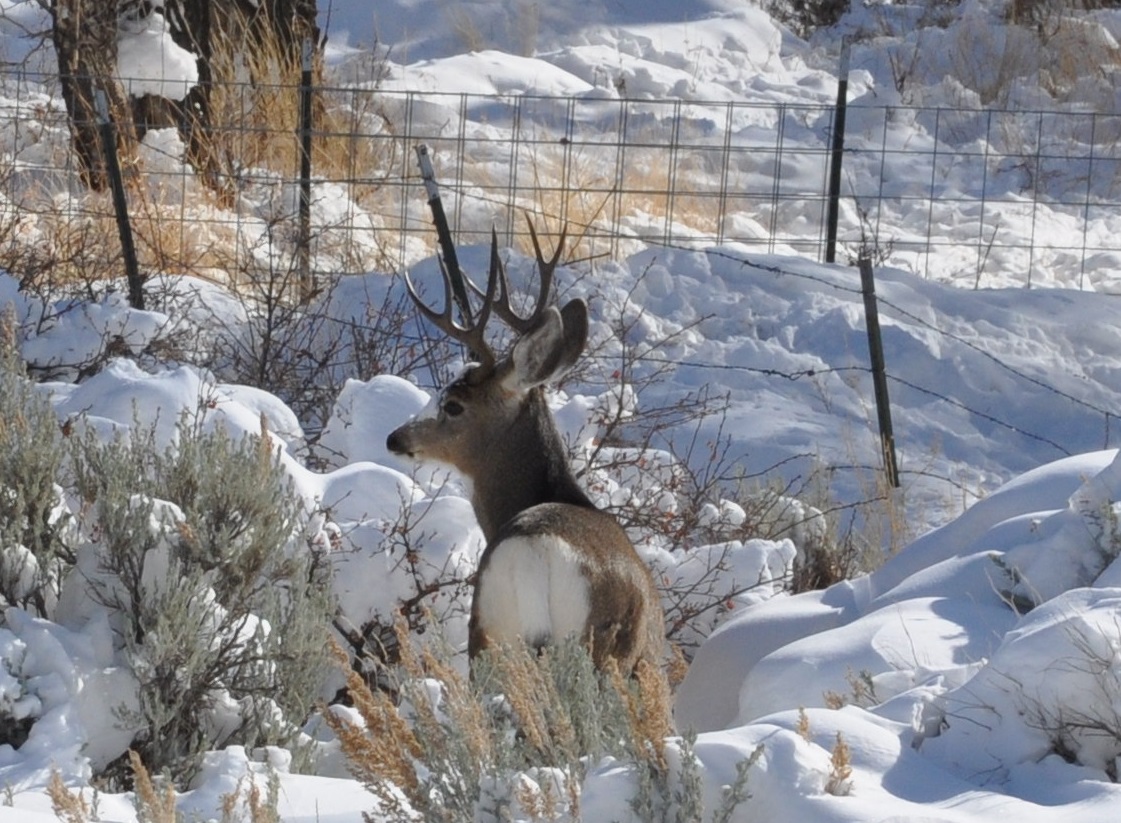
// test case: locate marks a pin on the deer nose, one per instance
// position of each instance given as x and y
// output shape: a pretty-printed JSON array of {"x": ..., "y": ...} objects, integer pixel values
[{"x": 396, "y": 443}]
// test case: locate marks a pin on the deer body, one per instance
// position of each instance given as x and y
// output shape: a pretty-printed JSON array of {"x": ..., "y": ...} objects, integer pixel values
[
  {"x": 554, "y": 564},
  {"x": 558, "y": 570}
]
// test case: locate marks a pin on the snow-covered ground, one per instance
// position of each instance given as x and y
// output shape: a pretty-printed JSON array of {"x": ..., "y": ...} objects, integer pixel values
[{"x": 974, "y": 674}]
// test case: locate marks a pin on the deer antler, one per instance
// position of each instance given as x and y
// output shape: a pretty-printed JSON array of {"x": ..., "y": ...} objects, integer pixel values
[
  {"x": 469, "y": 334},
  {"x": 502, "y": 307},
  {"x": 496, "y": 298}
]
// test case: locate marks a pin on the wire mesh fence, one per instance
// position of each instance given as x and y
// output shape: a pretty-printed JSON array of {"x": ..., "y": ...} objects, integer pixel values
[{"x": 987, "y": 197}]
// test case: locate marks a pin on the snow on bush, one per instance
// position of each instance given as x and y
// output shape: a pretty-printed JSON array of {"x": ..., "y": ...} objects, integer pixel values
[{"x": 1050, "y": 691}]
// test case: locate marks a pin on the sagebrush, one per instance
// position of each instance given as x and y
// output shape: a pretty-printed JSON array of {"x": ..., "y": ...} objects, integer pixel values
[
  {"x": 214, "y": 592},
  {"x": 516, "y": 739}
]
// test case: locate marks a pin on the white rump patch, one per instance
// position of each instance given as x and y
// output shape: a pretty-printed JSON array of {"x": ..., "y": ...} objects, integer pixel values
[{"x": 532, "y": 589}]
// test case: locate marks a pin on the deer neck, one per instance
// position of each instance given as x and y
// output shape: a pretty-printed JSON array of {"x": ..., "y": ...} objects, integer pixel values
[{"x": 525, "y": 464}]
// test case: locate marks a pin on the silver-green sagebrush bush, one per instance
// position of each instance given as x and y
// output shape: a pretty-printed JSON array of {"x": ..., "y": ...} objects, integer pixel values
[
  {"x": 36, "y": 530},
  {"x": 197, "y": 552}
]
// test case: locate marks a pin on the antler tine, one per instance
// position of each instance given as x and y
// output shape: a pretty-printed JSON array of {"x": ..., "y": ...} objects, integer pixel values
[
  {"x": 545, "y": 269},
  {"x": 471, "y": 335},
  {"x": 492, "y": 286},
  {"x": 501, "y": 303},
  {"x": 497, "y": 295},
  {"x": 546, "y": 266}
]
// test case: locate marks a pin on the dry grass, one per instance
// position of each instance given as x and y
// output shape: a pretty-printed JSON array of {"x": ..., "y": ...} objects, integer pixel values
[
  {"x": 666, "y": 182},
  {"x": 1059, "y": 49},
  {"x": 204, "y": 220},
  {"x": 589, "y": 186},
  {"x": 68, "y": 806},
  {"x": 261, "y": 807},
  {"x": 838, "y": 781},
  {"x": 166, "y": 240},
  {"x": 803, "y": 727},
  {"x": 840, "y": 768},
  {"x": 257, "y": 125},
  {"x": 861, "y": 692},
  {"x": 384, "y": 748},
  {"x": 495, "y": 738},
  {"x": 193, "y": 221},
  {"x": 649, "y": 706},
  {"x": 153, "y": 805}
]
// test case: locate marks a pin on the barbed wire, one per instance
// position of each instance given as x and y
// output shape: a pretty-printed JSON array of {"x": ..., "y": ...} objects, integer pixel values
[
  {"x": 799, "y": 374},
  {"x": 957, "y": 338},
  {"x": 977, "y": 412}
]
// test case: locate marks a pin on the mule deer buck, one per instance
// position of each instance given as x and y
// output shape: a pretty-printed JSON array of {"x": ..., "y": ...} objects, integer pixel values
[{"x": 554, "y": 565}]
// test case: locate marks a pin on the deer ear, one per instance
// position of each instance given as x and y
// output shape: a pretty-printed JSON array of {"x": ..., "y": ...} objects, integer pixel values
[
  {"x": 575, "y": 317},
  {"x": 551, "y": 348}
]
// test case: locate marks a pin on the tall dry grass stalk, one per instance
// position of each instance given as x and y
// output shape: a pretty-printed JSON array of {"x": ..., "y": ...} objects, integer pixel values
[
  {"x": 840, "y": 768},
  {"x": 153, "y": 805},
  {"x": 384, "y": 748},
  {"x": 68, "y": 806},
  {"x": 649, "y": 706}
]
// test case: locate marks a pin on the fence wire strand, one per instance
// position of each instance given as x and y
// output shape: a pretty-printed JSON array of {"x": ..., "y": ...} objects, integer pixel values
[{"x": 1039, "y": 191}]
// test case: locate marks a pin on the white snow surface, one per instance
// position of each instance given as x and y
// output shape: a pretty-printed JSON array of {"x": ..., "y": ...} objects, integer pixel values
[
  {"x": 150, "y": 62},
  {"x": 975, "y": 675}
]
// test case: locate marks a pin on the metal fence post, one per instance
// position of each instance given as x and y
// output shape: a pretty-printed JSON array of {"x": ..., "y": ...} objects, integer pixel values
[
  {"x": 449, "y": 260},
  {"x": 303, "y": 239},
  {"x": 879, "y": 373},
  {"x": 836, "y": 155},
  {"x": 120, "y": 200}
]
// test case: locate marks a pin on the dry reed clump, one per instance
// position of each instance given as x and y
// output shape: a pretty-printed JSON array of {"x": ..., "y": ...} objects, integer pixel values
[
  {"x": 153, "y": 805},
  {"x": 256, "y": 124},
  {"x": 384, "y": 748},
  {"x": 649, "y": 706},
  {"x": 840, "y": 768}
]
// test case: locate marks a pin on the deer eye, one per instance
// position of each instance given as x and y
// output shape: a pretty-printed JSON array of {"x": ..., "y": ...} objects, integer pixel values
[{"x": 453, "y": 408}]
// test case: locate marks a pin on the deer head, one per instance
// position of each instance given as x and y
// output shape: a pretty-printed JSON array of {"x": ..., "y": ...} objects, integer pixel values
[{"x": 492, "y": 422}]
